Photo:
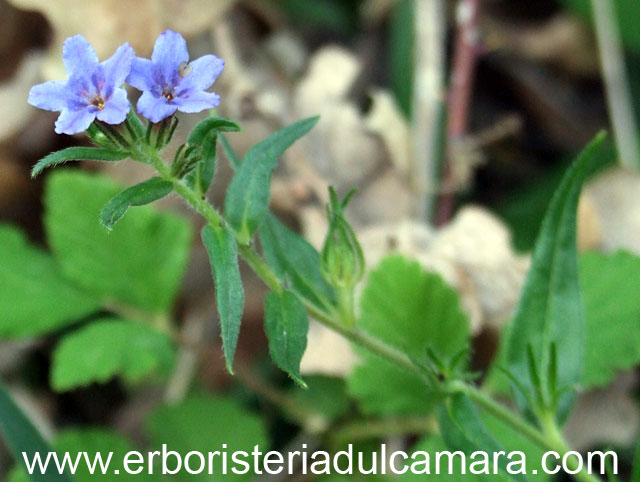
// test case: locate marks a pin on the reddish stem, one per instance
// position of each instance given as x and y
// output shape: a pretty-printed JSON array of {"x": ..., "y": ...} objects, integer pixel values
[{"x": 460, "y": 92}]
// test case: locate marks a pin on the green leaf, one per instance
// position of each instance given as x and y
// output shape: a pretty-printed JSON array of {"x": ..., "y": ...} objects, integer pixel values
[
  {"x": 77, "y": 154},
  {"x": 144, "y": 193},
  {"x": 401, "y": 51},
  {"x": 205, "y": 135},
  {"x": 223, "y": 255},
  {"x": 35, "y": 298},
  {"x": 324, "y": 395},
  {"x": 411, "y": 310},
  {"x": 108, "y": 347},
  {"x": 294, "y": 259},
  {"x": 21, "y": 436},
  {"x": 382, "y": 388},
  {"x": 550, "y": 306},
  {"x": 462, "y": 429},
  {"x": 286, "y": 324},
  {"x": 93, "y": 441},
  {"x": 228, "y": 151},
  {"x": 204, "y": 424},
  {"x": 247, "y": 198},
  {"x": 201, "y": 133},
  {"x": 139, "y": 265},
  {"x": 612, "y": 308}
]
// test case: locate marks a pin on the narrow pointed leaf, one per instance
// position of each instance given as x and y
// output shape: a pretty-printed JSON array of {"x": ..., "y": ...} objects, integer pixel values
[
  {"x": 229, "y": 152},
  {"x": 294, "y": 259},
  {"x": 247, "y": 199},
  {"x": 205, "y": 136},
  {"x": 223, "y": 255},
  {"x": 550, "y": 307},
  {"x": 463, "y": 429},
  {"x": 286, "y": 324},
  {"x": 21, "y": 436},
  {"x": 144, "y": 193},
  {"x": 77, "y": 154},
  {"x": 212, "y": 125}
]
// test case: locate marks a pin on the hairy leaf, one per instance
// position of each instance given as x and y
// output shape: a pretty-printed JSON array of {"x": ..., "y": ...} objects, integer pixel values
[
  {"x": 110, "y": 347},
  {"x": 462, "y": 429},
  {"x": 205, "y": 135},
  {"x": 140, "y": 264},
  {"x": 35, "y": 298},
  {"x": 247, "y": 199},
  {"x": 223, "y": 255},
  {"x": 21, "y": 436},
  {"x": 139, "y": 195},
  {"x": 286, "y": 324},
  {"x": 204, "y": 424},
  {"x": 77, "y": 154},
  {"x": 294, "y": 259},
  {"x": 412, "y": 310},
  {"x": 550, "y": 309}
]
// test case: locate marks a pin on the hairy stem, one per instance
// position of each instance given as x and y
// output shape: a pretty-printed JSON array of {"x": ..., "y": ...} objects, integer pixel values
[{"x": 549, "y": 438}]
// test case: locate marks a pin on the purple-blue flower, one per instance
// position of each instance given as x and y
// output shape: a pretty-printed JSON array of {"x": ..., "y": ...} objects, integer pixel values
[
  {"x": 169, "y": 82},
  {"x": 93, "y": 89}
]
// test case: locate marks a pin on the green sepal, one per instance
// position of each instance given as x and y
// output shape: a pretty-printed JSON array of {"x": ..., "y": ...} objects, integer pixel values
[
  {"x": 77, "y": 154},
  {"x": 144, "y": 193}
]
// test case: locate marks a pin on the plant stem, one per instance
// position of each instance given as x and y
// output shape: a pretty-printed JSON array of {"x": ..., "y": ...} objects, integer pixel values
[{"x": 548, "y": 439}]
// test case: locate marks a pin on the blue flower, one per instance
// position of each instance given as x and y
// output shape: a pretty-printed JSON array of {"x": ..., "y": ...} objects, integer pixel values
[
  {"x": 93, "y": 89},
  {"x": 169, "y": 82}
]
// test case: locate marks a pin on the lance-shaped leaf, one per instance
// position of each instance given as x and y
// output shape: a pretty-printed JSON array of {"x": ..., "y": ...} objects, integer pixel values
[
  {"x": 462, "y": 429},
  {"x": 205, "y": 135},
  {"x": 144, "y": 193},
  {"x": 223, "y": 255},
  {"x": 247, "y": 199},
  {"x": 550, "y": 308},
  {"x": 21, "y": 436},
  {"x": 77, "y": 154},
  {"x": 294, "y": 259},
  {"x": 229, "y": 152},
  {"x": 286, "y": 324}
]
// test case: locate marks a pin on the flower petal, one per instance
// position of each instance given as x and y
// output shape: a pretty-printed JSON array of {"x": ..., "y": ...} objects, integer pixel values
[
  {"x": 169, "y": 51},
  {"x": 117, "y": 68},
  {"x": 116, "y": 108},
  {"x": 204, "y": 71},
  {"x": 75, "y": 121},
  {"x": 78, "y": 56},
  {"x": 155, "y": 108},
  {"x": 197, "y": 102},
  {"x": 141, "y": 75},
  {"x": 51, "y": 95}
]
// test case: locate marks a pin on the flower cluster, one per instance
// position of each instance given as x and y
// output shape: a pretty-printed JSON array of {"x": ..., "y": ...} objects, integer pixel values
[{"x": 94, "y": 90}]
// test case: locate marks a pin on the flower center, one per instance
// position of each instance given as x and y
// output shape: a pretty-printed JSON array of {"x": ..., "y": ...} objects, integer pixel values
[
  {"x": 167, "y": 93},
  {"x": 97, "y": 101}
]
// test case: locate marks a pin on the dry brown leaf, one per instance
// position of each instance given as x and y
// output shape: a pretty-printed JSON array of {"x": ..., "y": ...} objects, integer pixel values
[{"x": 109, "y": 23}]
